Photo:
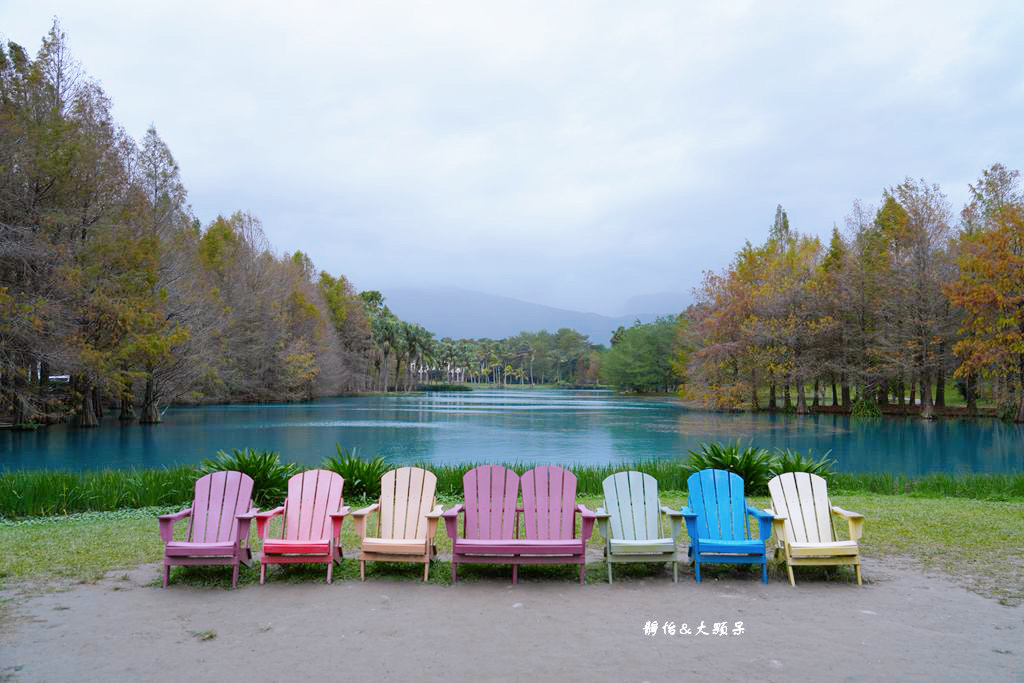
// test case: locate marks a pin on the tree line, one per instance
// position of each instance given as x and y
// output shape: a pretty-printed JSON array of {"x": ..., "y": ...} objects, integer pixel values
[
  {"x": 882, "y": 317},
  {"x": 108, "y": 280}
]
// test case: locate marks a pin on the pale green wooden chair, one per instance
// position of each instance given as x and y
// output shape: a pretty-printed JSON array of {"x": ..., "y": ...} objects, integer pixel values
[{"x": 632, "y": 525}]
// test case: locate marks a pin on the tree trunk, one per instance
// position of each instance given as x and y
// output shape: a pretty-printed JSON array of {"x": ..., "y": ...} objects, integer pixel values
[
  {"x": 801, "y": 402},
  {"x": 44, "y": 376},
  {"x": 1020, "y": 403},
  {"x": 150, "y": 405},
  {"x": 127, "y": 407},
  {"x": 817, "y": 391},
  {"x": 972, "y": 394},
  {"x": 927, "y": 411},
  {"x": 846, "y": 391},
  {"x": 940, "y": 386},
  {"x": 835, "y": 392},
  {"x": 86, "y": 417},
  {"x": 753, "y": 391},
  {"x": 97, "y": 403},
  {"x": 913, "y": 394},
  {"x": 772, "y": 402},
  {"x": 787, "y": 402},
  {"x": 883, "y": 396}
]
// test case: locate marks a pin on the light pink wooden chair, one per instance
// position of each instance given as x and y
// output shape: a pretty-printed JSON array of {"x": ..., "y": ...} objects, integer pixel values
[
  {"x": 218, "y": 528},
  {"x": 492, "y": 520},
  {"x": 407, "y": 516},
  {"x": 311, "y": 531}
]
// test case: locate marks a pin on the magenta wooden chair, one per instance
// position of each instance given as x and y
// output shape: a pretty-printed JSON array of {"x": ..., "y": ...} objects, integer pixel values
[
  {"x": 492, "y": 533},
  {"x": 218, "y": 528},
  {"x": 311, "y": 531}
]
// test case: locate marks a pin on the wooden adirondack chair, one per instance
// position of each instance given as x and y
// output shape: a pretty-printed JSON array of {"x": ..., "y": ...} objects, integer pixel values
[
  {"x": 407, "y": 517},
  {"x": 311, "y": 532},
  {"x": 631, "y": 522},
  {"x": 491, "y": 524},
  {"x": 218, "y": 529},
  {"x": 718, "y": 522},
  {"x": 803, "y": 524}
]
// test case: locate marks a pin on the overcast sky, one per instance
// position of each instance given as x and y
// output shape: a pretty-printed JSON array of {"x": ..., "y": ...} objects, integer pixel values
[{"x": 570, "y": 154}]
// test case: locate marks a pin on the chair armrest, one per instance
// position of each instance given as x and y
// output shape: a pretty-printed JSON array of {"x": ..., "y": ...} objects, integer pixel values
[
  {"x": 855, "y": 520},
  {"x": 451, "y": 522},
  {"x": 602, "y": 514},
  {"x": 589, "y": 517},
  {"x": 602, "y": 524},
  {"x": 337, "y": 518},
  {"x": 362, "y": 512},
  {"x": 250, "y": 515},
  {"x": 432, "y": 518},
  {"x": 263, "y": 521},
  {"x": 359, "y": 519},
  {"x": 167, "y": 523},
  {"x": 691, "y": 523},
  {"x": 778, "y": 528},
  {"x": 675, "y": 517},
  {"x": 436, "y": 512},
  {"x": 764, "y": 522}
]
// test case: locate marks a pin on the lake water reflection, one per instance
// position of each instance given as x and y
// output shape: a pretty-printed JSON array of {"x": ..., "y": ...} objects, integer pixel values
[{"x": 541, "y": 426}]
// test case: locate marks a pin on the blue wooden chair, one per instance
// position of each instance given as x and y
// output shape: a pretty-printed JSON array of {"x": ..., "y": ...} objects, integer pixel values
[{"x": 718, "y": 522}]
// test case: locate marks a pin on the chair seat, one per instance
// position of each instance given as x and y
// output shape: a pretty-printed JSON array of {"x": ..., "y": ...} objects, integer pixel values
[
  {"x": 396, "y": 546},
  {"x": 518, "y": 546},
  {"x": 723, "y": 547},
  {"x": 279, "y": 546},
  {"x": 644, "y": 547},
  {"x": 189, "y": 549},
  {"x": 830, "y": 549}
]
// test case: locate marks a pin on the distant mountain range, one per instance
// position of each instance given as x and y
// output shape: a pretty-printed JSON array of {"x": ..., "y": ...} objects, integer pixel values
[{"x": 466, "y": 314}]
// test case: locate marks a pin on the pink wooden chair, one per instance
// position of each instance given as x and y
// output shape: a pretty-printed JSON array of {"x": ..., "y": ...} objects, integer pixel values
[
  {"x": 306, "y": 534},
  {"x": 218, "y": 528},
  {"x": 491, "y": 524}
]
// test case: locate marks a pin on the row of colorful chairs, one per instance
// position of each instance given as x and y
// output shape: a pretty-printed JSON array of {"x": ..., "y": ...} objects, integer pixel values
[{"x": 498, "y": 529}]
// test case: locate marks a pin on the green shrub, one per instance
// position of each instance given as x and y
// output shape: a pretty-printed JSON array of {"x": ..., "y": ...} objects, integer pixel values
[
  {"x": 269, "y": 475},
  {"x": 865, "y": 407},
  {"x": 362, "y": 477},
  {"x": 754, "y": 465},
  {"x": 443, "y": 387},
  {"x": 794, "y": 461}
]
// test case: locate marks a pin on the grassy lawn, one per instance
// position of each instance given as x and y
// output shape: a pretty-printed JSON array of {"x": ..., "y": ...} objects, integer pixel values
[{"x": 980, "y": 544}]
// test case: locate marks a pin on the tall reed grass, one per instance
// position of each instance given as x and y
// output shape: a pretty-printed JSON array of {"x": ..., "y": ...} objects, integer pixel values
[{"x": 33, "y": 493}]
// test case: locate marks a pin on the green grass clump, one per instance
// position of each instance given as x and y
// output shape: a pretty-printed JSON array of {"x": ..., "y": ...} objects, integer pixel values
[
  {"x": 362, "y": 477},
  {"x": 33, "y": 493},
  {"x": 269, "y": 475}
]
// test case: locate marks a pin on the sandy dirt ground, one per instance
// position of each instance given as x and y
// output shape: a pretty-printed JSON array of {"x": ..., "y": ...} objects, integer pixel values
[{"x": 903, "y": 625}]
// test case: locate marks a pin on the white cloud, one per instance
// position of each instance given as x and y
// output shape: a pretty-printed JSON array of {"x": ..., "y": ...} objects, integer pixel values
[{"x": 576, "y": 154}]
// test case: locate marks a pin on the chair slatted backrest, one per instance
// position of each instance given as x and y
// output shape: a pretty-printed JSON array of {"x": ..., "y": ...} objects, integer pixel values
[
  {"x": 716, "y": 496},
  {"x": 631, "y": 501},
  {"x": 802, "y": 498},
  {"x": 491, "y": 496},
  {"x": 312, "y": 495},
  {"x": 219, "y": 497},
  {"x": 406, "y": 496},
  {"x": 549, "y": 503}
]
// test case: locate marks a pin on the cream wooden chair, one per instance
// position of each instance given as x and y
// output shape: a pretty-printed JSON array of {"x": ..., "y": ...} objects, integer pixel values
[
  {"x": 406, "y": 520},
  {"x": 803, "y": 524}
]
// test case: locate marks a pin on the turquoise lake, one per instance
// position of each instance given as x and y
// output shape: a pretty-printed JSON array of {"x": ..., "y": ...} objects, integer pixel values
[{"x": 539, "y": 426}]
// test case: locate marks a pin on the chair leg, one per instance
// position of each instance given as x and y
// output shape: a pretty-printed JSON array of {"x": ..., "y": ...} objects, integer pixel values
[
  {"x": 675, "y": 572},
  {"x": 697, "y": 563},
  {"x": 234, "y": 576},
  {"x": 263, "y": 572},
  {"x": 330, "y": 570},
  {"x": 167, "y": 574},
  {"x": 764, "y": 571},
  {"x": 426, "y": 571},
  {"x": 455, "y": 571},
  {"x": 789, "y": 570},
  {"x": 515, "y": 573},
  {"x": 609, "y": 571},
  {"x": 583, "y": 572},
  {"x": 362, "y": 570},
  {"x": 860, "y": 581}
]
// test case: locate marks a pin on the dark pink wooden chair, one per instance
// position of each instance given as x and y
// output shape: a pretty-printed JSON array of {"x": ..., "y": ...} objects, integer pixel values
[
  {"x": 311, "y": 531},
  {"x": 218, "y": 528},
  {"x": 492, "y": 533}
]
